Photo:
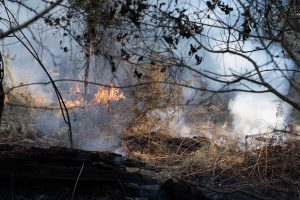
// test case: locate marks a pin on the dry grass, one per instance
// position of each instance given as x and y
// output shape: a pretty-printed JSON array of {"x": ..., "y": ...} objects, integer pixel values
[
  {"x": 18, "y": 121},
  {"x": 19, "y": 125},
  {"x": 193, "y": 159},
  {"x": 157, "y": 148}
]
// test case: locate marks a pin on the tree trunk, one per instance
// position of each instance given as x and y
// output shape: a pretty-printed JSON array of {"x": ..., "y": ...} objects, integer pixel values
[{"x": 2, "y": 94}]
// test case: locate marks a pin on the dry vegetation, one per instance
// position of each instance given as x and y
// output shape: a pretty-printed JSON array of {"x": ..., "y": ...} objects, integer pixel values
[
  {"x": 19, "y": 120},
  {"x": 227, "y": 169},
  {"x": 222, "y": 169},
  {"x": 265, "y": 169}
]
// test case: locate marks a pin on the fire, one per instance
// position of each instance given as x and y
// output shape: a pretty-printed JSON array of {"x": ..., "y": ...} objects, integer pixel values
[
  {"x": 103, "y": 96},
  {"x": 73, "y": 103},
  {"x": 75, "y": 91}
]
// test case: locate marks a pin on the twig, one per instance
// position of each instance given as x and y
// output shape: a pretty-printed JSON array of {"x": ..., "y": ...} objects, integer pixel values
[
  {"x": 12, "y": 184},
  {"x": 75, "y": 186},
  {"x": 122, "y": 186}
]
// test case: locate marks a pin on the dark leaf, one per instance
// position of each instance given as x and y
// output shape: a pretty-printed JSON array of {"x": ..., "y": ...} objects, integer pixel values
[
  {"x": 163, "y": 69},
  {"x": 198, "y": 59},
  {"x": 137, "y": 74},
  {"x": 113, "y": 67},
  {"x": 140, "y": 58},
  {"x": 112, "y": 13},
  {"x": 57, "y": 20},
  {"x": 193, "y": 49},
  {"x": 123, "y": 52},
  {"x": 169, "y": 40},
  {"x": 210, "y": 5},
  {"x": 162, "y": 4},
  {"x": 141, "y": 6},
  {"x": 246, "y": 30}
]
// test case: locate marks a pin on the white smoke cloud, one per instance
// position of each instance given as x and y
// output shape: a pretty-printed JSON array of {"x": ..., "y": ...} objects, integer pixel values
[
  {"x": 172, "y": 121},
  {"x": 257, "y": 113}
]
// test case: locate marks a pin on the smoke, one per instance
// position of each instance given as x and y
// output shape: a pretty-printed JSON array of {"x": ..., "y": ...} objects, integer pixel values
[
  {"x": 96, "y": 128},
  {"x": 252, "y": 113},
  {"x": 257, "y": 113},
  {"x": 172, "y": 121}
]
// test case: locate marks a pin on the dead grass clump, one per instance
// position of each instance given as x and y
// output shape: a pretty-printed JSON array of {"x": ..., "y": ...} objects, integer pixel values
[
  {"x": 277, "y": 166},
  {"x": 158, "y": 148},
  {"x": 269, "y": 169},
  {"x": 214, "y": 161},
  {"x": 18, "y": 121}
]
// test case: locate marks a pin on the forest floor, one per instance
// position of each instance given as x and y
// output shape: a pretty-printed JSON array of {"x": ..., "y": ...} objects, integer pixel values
[{"x": 156, "y": 166}]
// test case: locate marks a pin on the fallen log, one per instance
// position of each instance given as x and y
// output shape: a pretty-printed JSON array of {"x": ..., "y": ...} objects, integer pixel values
[
  {"x": 25, "y": 170},
  {"x": 61, "y": 173}
]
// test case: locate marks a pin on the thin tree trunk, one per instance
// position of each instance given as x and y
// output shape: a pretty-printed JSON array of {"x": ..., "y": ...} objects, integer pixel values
[
  {"x": 90, "y": 45},
  {"x": 89, "y": 52},
  {"x": 2, "y": 94}
]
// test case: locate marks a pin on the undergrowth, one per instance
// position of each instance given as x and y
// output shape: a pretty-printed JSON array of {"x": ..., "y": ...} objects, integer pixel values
[{"x": 199, "y": 160}]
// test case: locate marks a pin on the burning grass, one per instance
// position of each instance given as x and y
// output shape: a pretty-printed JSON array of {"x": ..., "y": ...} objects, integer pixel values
[{"x": 102, "y": 96}]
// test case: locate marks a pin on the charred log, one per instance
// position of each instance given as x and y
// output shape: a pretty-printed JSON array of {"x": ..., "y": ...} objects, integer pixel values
[
  {"x": 32, "y": 171},
  {"x": 61, "y": 173}
]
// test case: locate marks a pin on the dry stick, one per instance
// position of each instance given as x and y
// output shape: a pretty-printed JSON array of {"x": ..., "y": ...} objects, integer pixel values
[
  {"x": 12, "y": 183},
  {"x": 122, "y": 186},
  {"x": 266, "y": 163},
  {"x": 75, "y": 186}
]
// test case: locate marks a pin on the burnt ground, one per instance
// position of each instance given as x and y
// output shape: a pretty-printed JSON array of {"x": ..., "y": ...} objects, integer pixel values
[
  {"x": 59, "y": 173},
  {"x": 156, "y": 167}
]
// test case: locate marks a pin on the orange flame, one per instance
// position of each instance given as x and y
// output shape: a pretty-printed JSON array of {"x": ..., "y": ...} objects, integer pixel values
[
  {"x": 73, "y": 103},
  {"x": 103, "y": 96},
  {"x": 75, "y": 91}
]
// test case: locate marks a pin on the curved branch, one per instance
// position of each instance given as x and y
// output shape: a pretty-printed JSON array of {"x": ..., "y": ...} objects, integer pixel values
[{"x": 32, "y": 20}]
